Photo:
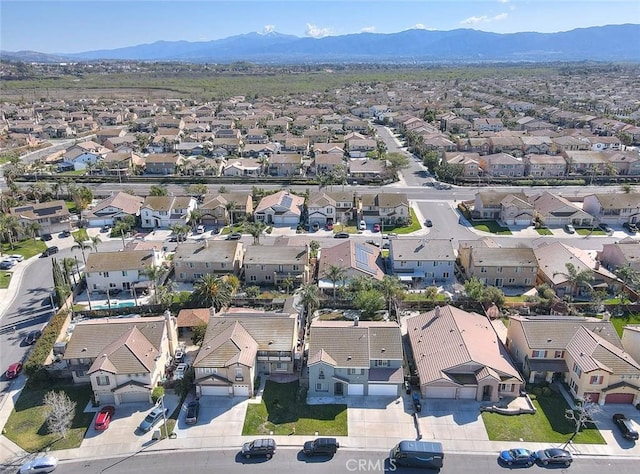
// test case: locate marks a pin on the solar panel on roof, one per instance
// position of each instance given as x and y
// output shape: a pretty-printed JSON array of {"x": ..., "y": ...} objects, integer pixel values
[{"x": 286, "y": 201}]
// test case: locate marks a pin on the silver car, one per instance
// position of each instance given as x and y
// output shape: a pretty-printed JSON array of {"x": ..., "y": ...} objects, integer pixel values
[
  {"x": 42, "y": 464},
  {"x": 152, "y": 419}
]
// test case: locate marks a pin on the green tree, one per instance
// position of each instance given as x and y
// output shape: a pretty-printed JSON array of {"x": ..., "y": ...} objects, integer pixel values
[
  {"x": 68, "y": 264},
  {"x": 431, "y": 292},
  {"x": 211, "y": 291},
  {"x": 369, "y": 302},
  {"x": 95, "y": 241},
  {"x": 576, "y": 278},
  {"x": 397, "y": 161},
  {"x": 314, "y": 246},
  {"x": 82, "y": 196},
  {"x": 155, "y": 190},
  {"x": 32, "y": 229},
  {"x": 391, "y": 290},
  {"x": 197, "y": 189},
  {"x": 335, "y": 274},
  {"x": 9, "y": 227},
  {"x": 449, "y": 172},
  {"x": 287, "y": 283},
  {"x": 255, "y": 229},
  {"x": 361, "y": 283},
  {"x": 493, "y": 294},
  {"x": 474, "y": 289},
  {"x": 198, "y": 333},
  {"x": 252, "y": 291},
  {"x": 431, "y": 160},
  {"x": 80, "y": 244},
  {"x": 231, "y": 208},
  {"x": 153, "y": 273},
  {"x": 310, "y": 297}
]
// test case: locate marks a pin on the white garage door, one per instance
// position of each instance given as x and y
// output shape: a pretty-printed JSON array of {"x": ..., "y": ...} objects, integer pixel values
[
  {"x": 440, "y": 392},
  {"x": 107, "y": 398},
  {"x": 467, "y": 393},
  {"x": 356, "y": 389},
  {"x": 216, "y": 391},
  {"x": 385, "y": 390},
  {"x": 241, "y": 390},
  {"x": 133, "y": 397}
]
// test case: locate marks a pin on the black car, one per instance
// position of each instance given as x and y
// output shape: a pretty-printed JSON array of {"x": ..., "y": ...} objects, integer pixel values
[
  {"x": 321, "y": 447},
  {"x": 260, "y": 447},
  {"x": 428, "y": 223},
  {"x": 341, "y": 235},
  {"x": 49, "y": 251},
  {"x": 625, "y": 426},
  {"x": 32, "y": 337},
  {"x": 554, "y": 456},
  {"x": 46, "y": 237},
  {"x": 234, "y": 236},
  {"x": 193, "y": 408},
  {"x": 65, "y": 233},
  {"x": 606, "y": 228},
  {"x": 630, "y": 227},
  {"x": 417, "y": 404}
]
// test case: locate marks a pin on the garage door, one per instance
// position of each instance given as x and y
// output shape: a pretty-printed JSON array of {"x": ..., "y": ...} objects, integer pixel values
[
  {"x": 593, "y": 397},
  {"x": 356, "y": 389},
  {"x": 467, "y": 393},
  {"x": 241, "y": 390},
  {"x": 216, "y": 391},
  {"x": 440, "y": 392},
  {"x": 107, "y": 398},
  {"x": 619, "y": 398},
  {"x": 134, "y": 397},
  {"x": 383, "y": 390}
]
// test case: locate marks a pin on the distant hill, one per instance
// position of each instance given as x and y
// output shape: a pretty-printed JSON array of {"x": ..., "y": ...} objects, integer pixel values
[{"x": 603, "y": 43}]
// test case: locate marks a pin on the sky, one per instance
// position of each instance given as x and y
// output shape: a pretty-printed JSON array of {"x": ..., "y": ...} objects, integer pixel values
[{"x": 71, "y": 26}]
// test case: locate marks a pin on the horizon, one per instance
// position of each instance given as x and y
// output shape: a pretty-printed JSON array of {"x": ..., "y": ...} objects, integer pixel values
[{"x": 26, "y": 24}]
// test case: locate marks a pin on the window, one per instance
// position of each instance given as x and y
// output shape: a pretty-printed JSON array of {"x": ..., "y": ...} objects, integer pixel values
[
  {"x": 321, "y": 375},
  {"x": 435, "y": 263},
  {"x": 483, "y": 270},
  {"x": 112, "y": 285},
  {"x": 102, "y": 380},
  {"x": 380, "y": 363},
  {"x": 80, "y": 373},
  {"x": 538, "y": 354},
  {"x": 252, "y": 278},
  {"x": 281, "y": 366},
  {"x": 295, "y": 268},
  {"x": 517, "y": 270},
  {"x": 445, "y": 274},
  {"x": 355, "y": 371},
  {"x": 267, "y": 277},
  {"x": 505, "y": 387},
  {"x": 527, "y": 281},
  {"x": 239, "y": 374},
  {"x": 511, "y": 281},
  {"x": 596, "y": 379},
  {"x": 105, "y": 274},
  {"x": 558, "y": 354},
  {"x": 124, "y": 273},
  {"x": 498, "y": 282},
  {"x": 419, "y": 264},
  {"x": 498, "y": 269},
  {"x": 577, "y": 370},
  {"x": 322, "y": 387}
]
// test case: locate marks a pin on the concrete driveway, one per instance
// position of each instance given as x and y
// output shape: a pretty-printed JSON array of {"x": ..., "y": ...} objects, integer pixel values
[
  {"x": 219, "y": 417},
  {"x": 603, "y": 416},
  {"x": 442, "y": 419}
]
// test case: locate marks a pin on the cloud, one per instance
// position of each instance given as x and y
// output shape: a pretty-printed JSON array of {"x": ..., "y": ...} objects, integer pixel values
[
  {"x": 418, "y": 26},
  {"x": 317, "y": 32},
  {"x": 474, "y": 20},
  {"x": 368, "y": 29},
  {"x": 266, "y": 29},
  {"x": 503, "y": 1}
]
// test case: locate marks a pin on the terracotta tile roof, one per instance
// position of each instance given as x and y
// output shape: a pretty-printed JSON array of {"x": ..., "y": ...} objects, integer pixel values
[
  {"x": 593, "y": 352},
  {"x": 189, "y": 318},
  {"x": 131, "y": 353},
  {"x": 285, "y": 255}
]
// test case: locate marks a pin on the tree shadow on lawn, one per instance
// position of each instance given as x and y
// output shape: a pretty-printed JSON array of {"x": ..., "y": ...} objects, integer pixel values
[{"x": 554, "y": 407}]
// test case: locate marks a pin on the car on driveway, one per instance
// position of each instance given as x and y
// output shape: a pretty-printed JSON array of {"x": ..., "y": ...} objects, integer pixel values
[
  {"x": 181, "y": 369},
  {"x": 569, "y": 229},
  {"x": 625, "y": 426},
  {"x": 606, "y": 227},
  {"x": 32, "y": 337},
  {"x": 417, "y": 404},
  {"x": 341, "y": 235},
  {"x": 46, "y": 237},
  {"x": 64, "y": 233},
  {"x": 193, "y": 408},
  {"x": 13, "y": 370},
  {"x": 7, "y": 264},
  {"x": 152, "y": 418},
  {"x": 38, "y": 465},
  {"x": 633, "y": 228},
  {"x": 517, "y": 457},
  {"x": 49, "y": 251},
  {"x": 554, "y": 456},
  {"x": 260, "y": 447},
  {"x": 104, "y": 418}
]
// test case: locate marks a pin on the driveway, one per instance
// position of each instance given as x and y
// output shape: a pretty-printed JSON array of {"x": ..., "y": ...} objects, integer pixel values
[
  {"x": 603, "y": 416},
  {"x": 443, "y": 419},
  {"x": 219, "y": 417}
]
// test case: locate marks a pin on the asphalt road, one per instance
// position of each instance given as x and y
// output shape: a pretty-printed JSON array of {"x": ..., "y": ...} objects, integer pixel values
[{"x": 293, "y": 461}]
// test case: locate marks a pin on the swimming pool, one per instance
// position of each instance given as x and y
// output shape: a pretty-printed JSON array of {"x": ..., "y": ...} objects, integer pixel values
[{"x": 118, "y": 304}]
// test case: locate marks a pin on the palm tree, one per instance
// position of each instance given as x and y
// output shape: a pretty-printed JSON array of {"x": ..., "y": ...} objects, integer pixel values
[
  {"x": 310, "y": 297},
  {"x": 9, "y": 227},
  {"x": 180, "y": 230},
  {"x": 391, "y": 289},
  {"x": 32, "y": 229},
  {"x": 335, "y": 274},
  {"x": 255, "y": 229},
  {"x": 95, "y": 241},
  {"x": 68, "y": 263},
  {"x": 81, "y": 245},
  {"x": 211, "y": 291},
  {"x": 287, "y": 283},
  {"x": 230, "y": 207},
  {"x": 576, "y": 278},
  {"x": 153, "y": 273},
  {"x": 195, "y": 217}
]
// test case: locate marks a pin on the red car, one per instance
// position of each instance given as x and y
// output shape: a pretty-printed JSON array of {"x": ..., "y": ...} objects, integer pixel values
[
  {"x": 329, "y": 226},
  {"x": 104, "y": 417},
  {"x": 14, "y": 370}
]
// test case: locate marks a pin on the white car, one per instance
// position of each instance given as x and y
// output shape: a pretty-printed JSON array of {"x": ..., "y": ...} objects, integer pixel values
[
  {"x": 16, "y": 257},
  {"x": 363, "y": 225},
  {"x": 43, "y": 464},
  {"x": 180, "y": 371}
]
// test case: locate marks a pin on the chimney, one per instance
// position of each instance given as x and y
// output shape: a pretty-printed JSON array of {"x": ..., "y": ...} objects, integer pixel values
[
  {"x": 356, "y": 320},
  {"x": 606, "y": 316},
  {"x": 437, "y": 310},
  {"x": 597, "y": 265},
  {"x": 172, "y": 332}
]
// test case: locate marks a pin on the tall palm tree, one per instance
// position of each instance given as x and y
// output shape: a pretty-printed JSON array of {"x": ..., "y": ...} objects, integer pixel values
[
  {"x": 391, "y": 289},
  {"x": 32, "y": 229},
  {"x": 95, "y": 241},
  {"x": 230, "y": 207},
  {"x": 68, "y": 263},
  {"x": 211, "y": 291},
  {"x": 82, "y": 246},
  {"x": 153, "y": 273},
  {"x": 287, "y": 283},
  {"x": 255, "y": 229},
  {"x": 576, "y": 278},
  {"x": 335, "y": 274},
  {"x": 310, "y": 297},
  {"x": 9, "y": 227}
]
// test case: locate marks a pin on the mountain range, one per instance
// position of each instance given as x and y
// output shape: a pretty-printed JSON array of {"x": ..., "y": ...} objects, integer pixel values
[{"x": 602, "y": 43}]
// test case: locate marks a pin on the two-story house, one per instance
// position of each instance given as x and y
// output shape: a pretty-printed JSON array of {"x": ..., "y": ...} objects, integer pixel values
[
  {"x": 243, "y": 167},
  {"x": 501, "y": 164},
  {"x": 385, "y": 208},
  {"x": 278, "y": 263},
  {"x": 510, "y": 208},
  {"x": 500, "y": 267},
  {"x": 457, "y": 355},
  {"x": 623, "y": 253},
  {"x": 321, "y": 210},
  {"x": 585, "y": 353},
  {"x": 544, "y": 166},
  {"x": 470, "y": 163},
  {"x": 285, "y": 164},
  {"x": 613, "y": 208},
  {"x": 193, "y": 260},
  {"x": 52, "y": 216},
  {"x": 281, "y": 208},
  {"x": 428, "y": 261},
  {"x": 123, "y": 359},
  {"x": 121, "y": 270},
  {"x": 164, "y": 211},
  {"x": 355, "y": 358},
  {"x": 359, "y": 147},
  {"x": 163, "y": 163},
  {"x": 112, "y": 209},
  {"x": 357, "y": 259}
]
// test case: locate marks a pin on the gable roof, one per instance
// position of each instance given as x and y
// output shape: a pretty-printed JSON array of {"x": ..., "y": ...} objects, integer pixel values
[
  {"x": 131, "y": 353},
  {"x": 226, "y": 344},
  {"x": 593, "y": 352}
]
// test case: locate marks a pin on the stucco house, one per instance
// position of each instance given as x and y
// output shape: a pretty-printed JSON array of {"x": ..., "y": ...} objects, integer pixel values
[
  {"x": 52, "y": 216},
  {"x": 281, "y": 208},
  {"x": 112, "y": 209},
  {"x": 357, "y": 258},
  {"x": 122, "y": 270},
  {"x": 272, "y": 265},
  {"x": 160, "y": 212},
  {"x": 428, "y": 261},
  {"x": 554, "y": 210},
  {"x": 613, "y": 208},
  {"x": 348, "y": 358},
  {"x": 500, "y": 267},
  {"x": 193, "y": 260},
  {"x": 458, "y": 355}
]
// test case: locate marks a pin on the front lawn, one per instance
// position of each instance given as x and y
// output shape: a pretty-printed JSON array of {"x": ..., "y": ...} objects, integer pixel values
[
  {"x": 492, "y": 227},
  {"x": 548, "y": 425},
  {"x": 542, "y": 231},
  {"x": 80, "y": 234},
  {"x": 590, "y": 232},
  {"x": 415, "y": 225},
  {"x": 5, "y": 279},
  {"x": 27, "y": 426},
  {"x": 27, "y": 248},
  {"x": 282, "y": 413}
]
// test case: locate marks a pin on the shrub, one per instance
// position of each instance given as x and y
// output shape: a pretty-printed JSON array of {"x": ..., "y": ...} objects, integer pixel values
[
  {"x": 537, "y": 391},
  {"x": 157, "y": 393},
  {"x": 44, "y": 345}
]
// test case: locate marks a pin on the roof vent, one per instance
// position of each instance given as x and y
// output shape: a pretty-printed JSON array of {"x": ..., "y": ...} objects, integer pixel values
[
  {"x": 348, "y": 357},
  {"x": 271, "y": 342},
  {"x": 383, "y": 350},
  {"x": 549, "y": 340},
  {"x": 84, "y": 349}
]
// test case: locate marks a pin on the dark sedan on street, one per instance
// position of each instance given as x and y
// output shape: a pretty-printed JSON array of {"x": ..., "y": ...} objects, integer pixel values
[
  {"x": 554, "y": 456},
  {"x": 517, "y": 457}
]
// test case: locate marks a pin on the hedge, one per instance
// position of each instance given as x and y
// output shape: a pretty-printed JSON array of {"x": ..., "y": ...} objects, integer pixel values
[{"x": 44, "y": 345}]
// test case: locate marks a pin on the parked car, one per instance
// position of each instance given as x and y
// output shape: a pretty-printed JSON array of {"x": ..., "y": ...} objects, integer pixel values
[
  {"x": 630, "y": 227},
  {"x": 606, "y": 227},
  {"x": 65, "y": 233},
  {"x": 179, "y": 355},
  {"x": 329, "y": 226},
  {"x": 7, "y": 264},
  {"x": 13, "y": 370},
  {"x": 321, "y": 447},
  {"x": 193, "y": 408},
  {"x": 17, "y": 257},
  {"x": 554, "y": 456},
  {"x": 362, "y": 225},
  {"x": 181, "y": 369},
  {"x": 625, "y": 426},
  {"x": 569, "y": 229},
  {"x": 42, "y": 464},
  {"x": 260, "y": 447},
  {"x": 341, "y": 235},
  {"x": 200, "y": 229},
  {"x": 105, "y": 228},
  {"x": 517, "y": 457},
  {"x": 46, "y": 237},
  {"x": 104, "y": 418},
  {"x": 152, "y": 418},
  {"x": 376, "y": 227},
  {"x": 373, "y": 242},
  {"x": 417, "y": 404},
  {"x": 32, "y": 337},
  {"x": 428, "y": 223},
  {"x": 49, "y": 251},
  {"x": 234, "y": 236}
]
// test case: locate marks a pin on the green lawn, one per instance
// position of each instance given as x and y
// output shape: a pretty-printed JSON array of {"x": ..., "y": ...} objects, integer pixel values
[
  {"x": 27, "y": 426},
  {"x": 423, "y": 297},
  {"x": 492, "y": 227},
  {"x": 544, "y": 231},
  {"x": 282, "y": 413},
  {"x": 548, "y": 425},
  {"x": 5, "y": 279},
  {"x": 590, "y": 232},
  {"x": 82, "y": 233},
  {"x": 619, "y": 322},
  {"x": 515, "y": 299},
  {"x": 27, "y": 248},
  {"x": 415, "y": 225}
]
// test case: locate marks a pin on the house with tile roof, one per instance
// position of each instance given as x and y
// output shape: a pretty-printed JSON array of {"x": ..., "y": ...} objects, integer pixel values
[
  {"x": 499, "y": 266},
  {"x": 53, "y": 216},
  {"x": 386, "y": 208},
  {"x": 354, "y": 358},
  {"x": 423, "y": 261},
  {"x": 193, "y": 260},
  {"x": 470, "y": 163},
  {"x": 123, "y": 270},
  {"x": 218, "y": 209},
  {"x": 554, "y": 210},
  {"x": 501, "y": 164},
  {"x": 160, "y": 212},
  {"x": 123, "y": 359},
  {"x": 613, "y": 208},
  {"x": 357, "y": 258},
  {"x": 623, "y": 253},
  {"x": 285, "y": 164},
  {"x": 585, "y": 353},
  {"x": 458, "y": 355},
  {"x": 272, "y": 265},
  {"x": 544, "y": 166},
  {"x": 112, "y": 209},
  {"x": 508, "y": 207},
  {"x": 163, "y": 163},
  {"x": 241, "y": 344},
  {"x": 281, "y": 208}
]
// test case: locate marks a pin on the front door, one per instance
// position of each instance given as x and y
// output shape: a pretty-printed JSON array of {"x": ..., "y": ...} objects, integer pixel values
[
  {"x": 486, "y": 392},
  {"x": 337, "y": 389}
]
